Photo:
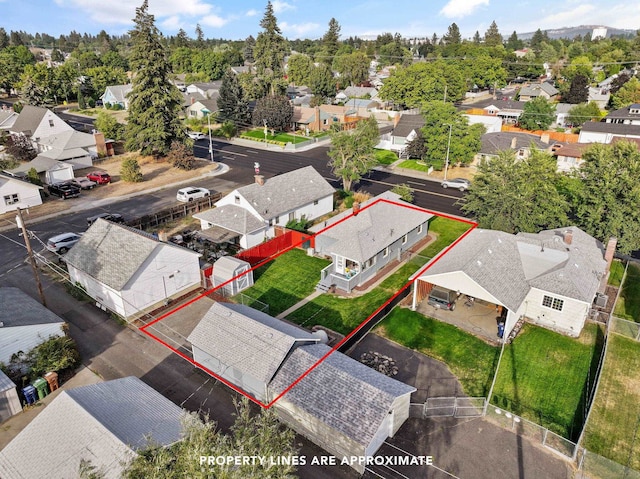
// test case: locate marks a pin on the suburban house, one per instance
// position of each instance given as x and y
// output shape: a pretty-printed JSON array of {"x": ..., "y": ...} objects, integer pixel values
[
  {"x": 7, "y": 118},
  {"x": 550, "y": 278},
  {"x": 569, "y": 156},
  {"x": 364, "y": 239},
  {"x": 351, "y": 92},
  {"x": 24, "y": 323},
  {"x": 103, "y": 424},
  {"x": 545, "y": 90},
  {"x": 9, "y": 400},
  {"x": 17, "y": 193},
  {"x": 149, "y": 275},
  {"x": 35, "y": 123},
  {"x": 605, "y": 132},
  {"x": 74, "y": 147},
  {"x": 492, "y": 124},
  {"x": 49, "y": 171},
  {"x": 201, "y": 108},
  {"x": 405, "y": 129},
  {"x": 629, "y": 115},
  {"x": 312, "y": 119},
  {"x": 521, "y": 143},
  {"x": 600, "y": 96},
  {"x": 244, "y": 346},
  {"x": 116, "y": 95},
  {"x": 507, "y": 110},
  {"x": 249, "y": 214},
  {"x": 341, "y": 405},
  {"x": 562, "y": 110},
  {"x": 206, "y": 89}
]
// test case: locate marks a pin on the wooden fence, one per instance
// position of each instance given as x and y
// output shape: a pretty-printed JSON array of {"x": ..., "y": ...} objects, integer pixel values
[{"x": 175, "y": 212}]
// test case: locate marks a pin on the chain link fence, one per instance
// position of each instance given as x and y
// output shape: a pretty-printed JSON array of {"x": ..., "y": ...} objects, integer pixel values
[
  {"x": 625, "y": 328},
  {"x": 593, "y": 466}
]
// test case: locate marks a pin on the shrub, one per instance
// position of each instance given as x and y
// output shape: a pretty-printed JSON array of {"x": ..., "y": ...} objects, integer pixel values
[
  {"x": 180, "y": 156},
  {"x": 405, "y": 192},
  {"x": 130, "y": 171},
  {"x": 32, "y": 176}
]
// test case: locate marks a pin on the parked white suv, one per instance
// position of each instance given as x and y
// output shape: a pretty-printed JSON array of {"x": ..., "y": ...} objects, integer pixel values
[
  {"x": 62, "y": 242},
  {"x": 191, "y": 193}
]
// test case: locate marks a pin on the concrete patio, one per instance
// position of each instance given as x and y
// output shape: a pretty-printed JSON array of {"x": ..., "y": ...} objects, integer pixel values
[{"x": 479, "y": 319}]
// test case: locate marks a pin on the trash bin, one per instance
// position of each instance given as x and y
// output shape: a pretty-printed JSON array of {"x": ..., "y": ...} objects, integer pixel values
[
  {"x": 30, "y": 394},
  {"x": 500, "y": 329},
  {"x": 42, "y": 387},
  {"x": 52, "y": 379}
]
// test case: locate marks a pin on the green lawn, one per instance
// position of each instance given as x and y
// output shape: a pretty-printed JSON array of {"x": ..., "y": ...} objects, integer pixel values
[
  {"x": 386, "y": 157},
  {"x": 343, "y": 315},
  {"x": 544, "y": 375},
  {"x": 421, "y": 166},
  {"x": 614, "y": 422},
  {"x": 472, "y": 360},
  {"x": 616, "y": 273},
  {"x": 628, "y": 305},
  {"x": 283, "y": 282},
  {"x": 279, "y": 136}
]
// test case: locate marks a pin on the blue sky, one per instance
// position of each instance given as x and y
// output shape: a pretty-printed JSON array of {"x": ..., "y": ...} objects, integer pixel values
[{"x": 309, "y": 18}]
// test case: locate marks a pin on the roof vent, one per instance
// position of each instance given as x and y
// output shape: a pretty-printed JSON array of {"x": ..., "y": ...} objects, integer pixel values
[
  {"x": 489, "y": 250},
  {"x": 479, "y": 263}
]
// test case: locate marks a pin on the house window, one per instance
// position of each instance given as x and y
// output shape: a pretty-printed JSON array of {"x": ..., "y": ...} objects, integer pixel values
[
  {"x": 315, "y": 202},
  {"x": 385, "y": 253},
  {"x": 404, "y": 239},
  {"x": 553, "y": 303},
  {"x": 51, "y": 123},
  {"x": 11, "y": 199},
  {"x": 292, "y": 216},
  {"x": 237, "y": 200},
  {"x": 419, "y": 229}
]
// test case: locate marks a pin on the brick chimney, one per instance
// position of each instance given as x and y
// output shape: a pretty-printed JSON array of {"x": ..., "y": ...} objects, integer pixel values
[
  {"x": 101, "y": 146},
  {"x": 259, "y": 179},
  {"x": 396, "y": 119},
  {"x": 610, "y": 251},
  {"x": 567, "y": 236},
  {"x": 356, "y": 208},
  {"x": 193, "y": 100},
  {"x": 317, "y": 122}
]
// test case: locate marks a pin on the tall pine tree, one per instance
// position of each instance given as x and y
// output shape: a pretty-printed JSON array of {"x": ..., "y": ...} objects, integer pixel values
[
  {"x": 231, "y": 103},
  {"x": 270, "y": 49},
  {"x": 154, "y": 102}
]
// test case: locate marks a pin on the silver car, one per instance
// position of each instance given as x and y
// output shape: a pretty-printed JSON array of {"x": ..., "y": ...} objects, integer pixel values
[
  {"x": 62, "y": 242},
  {"x": 461, "y": 184}
]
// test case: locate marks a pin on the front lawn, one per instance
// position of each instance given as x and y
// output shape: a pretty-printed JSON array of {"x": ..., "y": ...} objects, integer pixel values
[
  {"x": 628, "y": 305},
  {"x": 422, "y": 166},
  {"x": 284, "y": 281},
  {"x": 613, "y": 429},
  {"x": 544, "y": 377},
  {"x": 279, "y": 136},
  {"x": 385, "y": 157},
  {"x": 470, "y": 359}
]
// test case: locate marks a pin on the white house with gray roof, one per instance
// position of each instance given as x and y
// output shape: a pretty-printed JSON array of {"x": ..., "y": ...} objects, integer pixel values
[
  {"x": 128, "y": 271},
  {"x": 342, "y": 405},
  {"x": 116, "y": 95},
  {"x": 17, "y": 193},
  {"x": 35, "y": 122},
  {"x": 105, "y": 424},
  {"x": 550, "y": 278},
  {"x": 249, "y": 215},
  {"x": 363, "y": 241},
  {"x": 604, "y": 132},
  {"x": 244, "y": 346},
  {"x": 24, "y": 323}
]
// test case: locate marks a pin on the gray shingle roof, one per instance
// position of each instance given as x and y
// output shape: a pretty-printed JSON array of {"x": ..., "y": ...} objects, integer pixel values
[
  {"x": 247, "y": 339},
  {"x": 19, "y": 309},
  {"x": 379, "y": 224},
  {"x": 69, "y": 139},
  {"x": 99, "y": 253},
  {"x": 103, "y": 423},
  {"x": 232, "y": 218},
  {"x": 614, "y": 128},
  {"x": 407, "y": 124},
  {"x": 29, "y": 119},
  {"x": 508, "y": 266},
  {"x": 623, "y": 113},
  {"x": 535, "y": 90},
  {"x": 41, "y": 163},
  {"x": 6, "y": 384},
  {"x": 493, "y": 143},
  {"x": 499, "y": 104},
  {"x": 289, "y": 191},
  {"x": 341, "y": 392}
]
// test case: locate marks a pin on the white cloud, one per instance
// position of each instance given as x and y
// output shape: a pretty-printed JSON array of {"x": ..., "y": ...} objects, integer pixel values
[
  {"x": 214, "y": 21},
  {"x": 280, "y": 6},
  {"x": 299, "y": 29},
  {"x": 172, "y": 23},
  {"x": 252, "y": 13},
  {"x": 461, "y": 8}
]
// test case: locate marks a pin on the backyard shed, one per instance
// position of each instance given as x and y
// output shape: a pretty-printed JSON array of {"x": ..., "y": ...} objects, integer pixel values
[
  {"x": 9, "y": 401},
  {"x": 235, "y": 274}
]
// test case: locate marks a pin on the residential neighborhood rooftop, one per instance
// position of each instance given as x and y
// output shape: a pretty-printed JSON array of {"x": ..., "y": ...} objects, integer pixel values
[{"x": 20, "y": 309}]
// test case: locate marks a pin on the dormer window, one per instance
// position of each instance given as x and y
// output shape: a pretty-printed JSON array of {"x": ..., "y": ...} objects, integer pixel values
[{"x": 51, "y": 123}]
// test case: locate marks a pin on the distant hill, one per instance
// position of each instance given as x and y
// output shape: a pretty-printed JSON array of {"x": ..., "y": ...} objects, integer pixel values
[{"x": 582, "y": 30}]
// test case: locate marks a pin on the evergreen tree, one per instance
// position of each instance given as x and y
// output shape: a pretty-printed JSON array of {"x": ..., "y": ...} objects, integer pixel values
[
  {"x": 181, "y": 39},
  {"x": 513, "y": 43},
  {"x": 416, "y": 147},
  {"x": 247, "y": 52},
  {"x": 476, "y": 38},
  {"x": 231, "y": 103},
  {"x": 578, "y": 91},
  {"x": 536, "y": 40},
  {"x": 154, "y": 102},
  {"x": 330, "y": 41},
  {"x": 199, "y": 37},
  {"x": 452, "y": 37},
  {"x": 492, "y": 37},
  {"x": 4, "y": 38},
  {"x": 271, "y": 48},
  {"x": 321, "y": 81}
]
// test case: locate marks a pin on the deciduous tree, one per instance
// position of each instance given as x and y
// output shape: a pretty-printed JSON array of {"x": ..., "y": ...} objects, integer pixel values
[
  {"x": 273, "y": 111},
  {"x": 352, "y": 67},
  {"x": 627, "y": 95},
  {"x": 109, "y": 126},
  {"x": 579, "y": 114},
  {"x": 578, "y": 91},
  {"x": 299, "y": 69},
  {"x": 537, "y": 114}
]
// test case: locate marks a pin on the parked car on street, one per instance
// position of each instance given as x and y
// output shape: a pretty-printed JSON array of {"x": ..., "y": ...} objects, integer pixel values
[
  {"x": 62, "y": 242},
  {"x": 442, "y": 298},
  {"x": 113, "y": 217},
  {"x": 191, "y": 193},
  {"x": 196, "y": 135},
  {"x": 99, "y": 177},
  {"x": 64, "y": 190},
  {"x": 461, "y": 184},
  {"x": 83, "y": 183}
]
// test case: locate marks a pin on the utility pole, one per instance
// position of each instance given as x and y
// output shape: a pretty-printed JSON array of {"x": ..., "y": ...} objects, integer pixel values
[
  {"x": 27, "y": 243},
  {"x": 446, "y": 161}
]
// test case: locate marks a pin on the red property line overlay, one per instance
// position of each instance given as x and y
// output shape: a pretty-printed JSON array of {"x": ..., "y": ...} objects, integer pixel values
[{"x": 271, "y": 258}]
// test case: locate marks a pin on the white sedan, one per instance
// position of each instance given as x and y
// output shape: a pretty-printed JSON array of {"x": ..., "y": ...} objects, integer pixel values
[{"x": 196, "y": 135}]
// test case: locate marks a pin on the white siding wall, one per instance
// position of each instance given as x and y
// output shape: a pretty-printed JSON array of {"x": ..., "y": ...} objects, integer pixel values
[
  {"x": 9, "y": 404},
  {"x": 569, "y": 321},
  {"x": 27, "y": 195},
  {"x": 168, "y": 271},
  {"x": 46, "y": 129},
  {"x": 103, "y": 294},
  {"x": 25, "y": 338}
]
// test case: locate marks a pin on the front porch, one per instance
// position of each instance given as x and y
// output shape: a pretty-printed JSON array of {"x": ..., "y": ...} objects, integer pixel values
[
  {"x": 480, "y": 319},
  {"x": 346, "y": 280}
]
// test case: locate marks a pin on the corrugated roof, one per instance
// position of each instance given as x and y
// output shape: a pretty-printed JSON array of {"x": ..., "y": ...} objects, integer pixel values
[
  {"x": 340, "y": 392},
  {"x": 101, "y": 423},
  {"x": 246, "y": 339},
  {"x": 19, "y": 309}
]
